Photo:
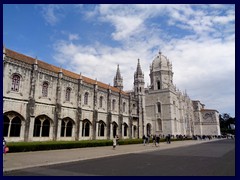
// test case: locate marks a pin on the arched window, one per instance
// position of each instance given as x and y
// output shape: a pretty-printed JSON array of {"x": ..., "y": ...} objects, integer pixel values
[
  {"x": 125, "y": 129},
  {"x": 15, "y": 127},
  {"x": 149, "y": 129},
  {"x": 159, "y": 121},
  {"x": 45, "y": 128},
  {"x": 158, "y": 85},
  {"x": 124, "y": 107},
  {"x": 114, "y": 129},
  {"x": 69, "y": 129},
  {"x": 41, "y": 127},
  {"x": 15, "y": 83},
  {"x": 68, "y": 92},
  {"x": 6, "y": 124},
  {"x": 101, "y": 128},
  {"x": 86, "y": 129},
  {"x": 11, "y": 128},
  {"x": 37, "y": 128},
  {"x": 159, "y": 107},
  {"x": 101, "y": 102},
  {"x": 62, "y": 128},
  {"x": 113, "y": 104},
  {"x": 66, "y": 128},
  {"x": 86, "y": 98},
  {"x": 45, "y": 89}
]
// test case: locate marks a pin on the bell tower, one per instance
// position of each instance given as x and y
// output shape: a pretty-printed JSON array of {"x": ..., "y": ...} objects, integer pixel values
[{"x": 139, "y": 94}]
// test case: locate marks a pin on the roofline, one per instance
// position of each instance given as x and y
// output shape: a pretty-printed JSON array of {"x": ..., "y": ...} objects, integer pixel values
[{"x": 30, "y": 60}]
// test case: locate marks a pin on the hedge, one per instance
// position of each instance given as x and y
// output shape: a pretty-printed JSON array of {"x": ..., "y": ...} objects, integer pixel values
[{"x": 54, "y": 145}]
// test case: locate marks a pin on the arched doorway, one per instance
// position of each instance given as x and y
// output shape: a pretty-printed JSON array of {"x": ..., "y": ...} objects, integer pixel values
[
  {"x": 115, "y": 128},
  {"x": 148, "y": 130}
]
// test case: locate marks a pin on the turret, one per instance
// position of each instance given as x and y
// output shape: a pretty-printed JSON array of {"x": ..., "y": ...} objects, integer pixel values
[
  {"x": 118, "y": 80},
  {"x": 139, "y": 80}
]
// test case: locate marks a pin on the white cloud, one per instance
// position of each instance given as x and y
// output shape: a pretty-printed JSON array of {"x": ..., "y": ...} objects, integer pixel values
[
  {"x": 203, "y": 59},
  {"x": 51, "y": 13},
  {"x": 73, "y": 37}
]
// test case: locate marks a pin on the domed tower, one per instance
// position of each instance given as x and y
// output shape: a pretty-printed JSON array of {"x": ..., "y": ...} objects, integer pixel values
[
  {"x": 118, "y": 80},
  {"x": 161, "y": 75}
]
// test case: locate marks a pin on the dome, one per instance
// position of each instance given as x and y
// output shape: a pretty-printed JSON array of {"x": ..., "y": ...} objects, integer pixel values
[{"x": 160, "y": 62}]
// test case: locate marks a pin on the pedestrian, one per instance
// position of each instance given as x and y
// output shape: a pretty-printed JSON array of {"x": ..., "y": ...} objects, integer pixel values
[
  {"x": 117, "y": 139},
  {"x": 154, "y": 140},
  {"x": 4, "y": 146},
  {"x": 169, "y": 139},
  {"x": 157, "y": 140},
  {"x": 114, "y": 142},
  {"x": 147, "y": 139},
  {"x": 144, "y": 139}
]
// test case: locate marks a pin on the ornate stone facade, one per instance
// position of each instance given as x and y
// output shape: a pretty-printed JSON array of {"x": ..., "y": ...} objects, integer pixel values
[{"x": 43, "y": 102}]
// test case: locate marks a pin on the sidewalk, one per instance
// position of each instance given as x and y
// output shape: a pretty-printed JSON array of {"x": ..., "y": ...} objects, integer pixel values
[{"x": 15, "y": 161}]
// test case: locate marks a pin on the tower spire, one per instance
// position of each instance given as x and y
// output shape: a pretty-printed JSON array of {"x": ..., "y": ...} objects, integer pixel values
[
  {"x": 118, "y": 80},
  {"x": 139, "y": 69},
  {"x": 139, "y": 80}
]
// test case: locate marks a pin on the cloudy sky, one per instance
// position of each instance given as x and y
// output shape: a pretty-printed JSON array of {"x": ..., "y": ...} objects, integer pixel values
[{"x": 199, "y": 40}]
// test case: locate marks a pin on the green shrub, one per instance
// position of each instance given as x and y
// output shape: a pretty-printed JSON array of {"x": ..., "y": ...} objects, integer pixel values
[{"x": 54, "y": 145}]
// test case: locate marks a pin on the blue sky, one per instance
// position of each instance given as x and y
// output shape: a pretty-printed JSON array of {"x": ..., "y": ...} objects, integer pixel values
[{"x": 199, "y": 40}]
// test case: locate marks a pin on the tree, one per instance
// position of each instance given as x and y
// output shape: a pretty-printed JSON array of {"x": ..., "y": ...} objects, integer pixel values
[{"x": 225, "y": 121}]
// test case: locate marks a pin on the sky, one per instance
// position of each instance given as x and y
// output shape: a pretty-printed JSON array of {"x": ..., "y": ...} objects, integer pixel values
[{"x": 92, "y": 39}]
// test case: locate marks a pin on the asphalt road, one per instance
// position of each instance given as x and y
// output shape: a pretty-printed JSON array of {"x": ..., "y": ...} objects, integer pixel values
[{"x": 216, "y": 158}]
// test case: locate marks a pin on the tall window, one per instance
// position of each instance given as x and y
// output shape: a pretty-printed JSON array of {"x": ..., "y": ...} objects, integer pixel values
[
  {"x": 66, "y": 128},
  {"x": 41, "y": 127},
  {"x": 158, "y": 85},
  {"x": 15, "y": 83},
  {"x": 113, "y": 104},
  {"x": 86, "y": 129},
  {"x": 45, "y": 89},
  {"x": 125, "y": 129},
  {"x": 68, "y": 92},
  {"x": 101, "y": 128},
  {"x": 159, "y": 121},
  {"x": 11, "y": 128},
  {"x": 114, "y": 129},
  {"x": 101, "y": 102},
  {"x": 124, "y": 107},
  {"x": 159, "y": 107},
  {"x": 86, "y": 98}
]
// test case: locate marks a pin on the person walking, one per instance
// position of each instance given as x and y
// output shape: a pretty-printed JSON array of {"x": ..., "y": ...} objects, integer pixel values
[
  {"x": 169, "y": 139},
  {"x": 117, "y": 139},
  {"x": 154, "y": 140},
  {"x": 147, "y": 138},
  {"x": 114, "y": 142},
  {"x": 144, "y": 139},
  {"x": 157, "y": 140},
  {"x": 4, "y": 146}
]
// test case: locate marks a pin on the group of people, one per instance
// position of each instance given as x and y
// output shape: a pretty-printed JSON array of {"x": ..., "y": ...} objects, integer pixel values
[{"x": 155, "y": 139}]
